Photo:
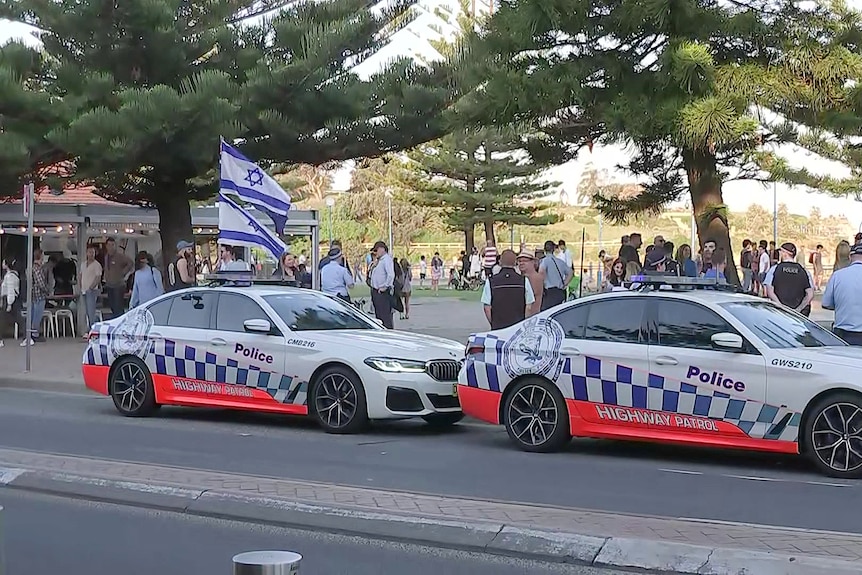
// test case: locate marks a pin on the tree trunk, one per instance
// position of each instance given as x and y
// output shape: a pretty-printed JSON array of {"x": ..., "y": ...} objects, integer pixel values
[
  {"x": 710, "y": 212},
  {"x": 175, "y": 224},
  {"x": 489, "y": 230},
  {"x": 469, "y": 234}
]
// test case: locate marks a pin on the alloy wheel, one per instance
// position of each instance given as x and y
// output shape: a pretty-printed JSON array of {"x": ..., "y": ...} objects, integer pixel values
[
  {"x": 335, "y": 400},
  {"x": 533, "y": 415},
  {"x": 836, "y": 437},
  {"x": 130, "y": 387}
]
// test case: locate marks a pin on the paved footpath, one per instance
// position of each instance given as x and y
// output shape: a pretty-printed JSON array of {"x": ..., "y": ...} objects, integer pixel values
[{"x": 571, "y": 535}]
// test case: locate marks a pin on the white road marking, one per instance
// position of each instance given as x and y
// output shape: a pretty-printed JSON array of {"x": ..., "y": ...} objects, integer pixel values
[
  {"x": 681, "y": 471},
  {"x": 755, "y": 478},
  {"x": 828, "y": 484},
  {"x": 10, "y": 474}
]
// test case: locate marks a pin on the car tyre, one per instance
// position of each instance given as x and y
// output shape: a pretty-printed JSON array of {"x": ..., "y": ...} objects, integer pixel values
[
  {"x": 338, "y": 401},
  {"x": 443, "y": 420},
  {"x": 536, "y": 417},
  {"x": 131, "y": 388},
  {"x": 833, "y": 435}
]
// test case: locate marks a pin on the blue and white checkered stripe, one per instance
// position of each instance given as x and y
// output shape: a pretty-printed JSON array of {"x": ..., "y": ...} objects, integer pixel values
[
  {"x": 169, "y": 358},
  {"x": 486, "y": 370},
  {"x": 593, "y": 380},
  {"x": 597, "y": 381}
]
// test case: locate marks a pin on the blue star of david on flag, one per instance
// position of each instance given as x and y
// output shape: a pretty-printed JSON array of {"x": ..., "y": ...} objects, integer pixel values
[
  {"x": 254, "y": 177},
  {"x": 242, "y": 178}
]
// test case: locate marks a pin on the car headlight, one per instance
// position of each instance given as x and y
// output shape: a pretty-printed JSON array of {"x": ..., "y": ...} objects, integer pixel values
[{"x": 394, "y": 365}]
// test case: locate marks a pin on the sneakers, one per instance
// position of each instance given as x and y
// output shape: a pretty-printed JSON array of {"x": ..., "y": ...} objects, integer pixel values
[
  {"x": 24, "y": 343},
  {"x": 2, "y": 343}
]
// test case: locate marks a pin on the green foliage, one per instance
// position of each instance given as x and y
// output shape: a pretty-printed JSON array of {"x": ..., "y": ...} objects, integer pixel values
[
  {"x": 662, "y": 77},
  {"x": 27, "y": 115},
  {"x": 482, "y": 176},
  {"x": 150, "y": 85}
]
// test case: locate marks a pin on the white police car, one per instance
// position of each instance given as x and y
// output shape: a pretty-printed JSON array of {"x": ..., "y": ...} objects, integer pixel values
[
  {"x": 272, "y": 349},
  {"x": 676, "y": 365}
]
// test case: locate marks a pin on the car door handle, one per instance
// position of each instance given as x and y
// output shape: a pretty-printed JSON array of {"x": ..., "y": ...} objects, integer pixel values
[
  {"x": 665, "y": 360},
  {"x": 218, "y": 341},
  {"x": 570, "y": 350}
]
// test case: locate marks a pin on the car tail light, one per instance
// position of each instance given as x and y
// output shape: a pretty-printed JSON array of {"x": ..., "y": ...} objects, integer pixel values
[
  {"x": 473, "y": 349},
  {"x": 93, "y": 335}
]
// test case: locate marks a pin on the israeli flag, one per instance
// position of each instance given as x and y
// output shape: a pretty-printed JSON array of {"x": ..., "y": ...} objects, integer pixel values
[
  {"x": 237, "y": 227},
  {"x": 241, "y": 177}
]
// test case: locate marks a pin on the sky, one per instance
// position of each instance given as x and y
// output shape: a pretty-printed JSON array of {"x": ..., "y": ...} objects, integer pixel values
[{"x": 738, "y": 195}]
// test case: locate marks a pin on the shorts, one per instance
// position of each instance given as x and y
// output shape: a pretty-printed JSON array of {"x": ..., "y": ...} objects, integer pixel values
[
  {"x": 761, "y": 278},
  {"x": 421, "y": 276}
]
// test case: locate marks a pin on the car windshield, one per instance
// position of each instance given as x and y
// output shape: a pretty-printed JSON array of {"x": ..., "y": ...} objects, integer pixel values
[
  {"x": 311, "y": 311},
  {"x": 780, "y": 328}
]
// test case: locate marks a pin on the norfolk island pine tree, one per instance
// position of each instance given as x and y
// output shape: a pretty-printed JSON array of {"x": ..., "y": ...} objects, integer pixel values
[
  {"x": 678, "y": 82},
  {"x": 155, "y": 83}
]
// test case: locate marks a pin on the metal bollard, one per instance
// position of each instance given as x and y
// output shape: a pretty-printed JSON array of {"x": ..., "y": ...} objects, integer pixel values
[
  {"x": 2, "y": 554},
  {"x": 265, "y": 563}
]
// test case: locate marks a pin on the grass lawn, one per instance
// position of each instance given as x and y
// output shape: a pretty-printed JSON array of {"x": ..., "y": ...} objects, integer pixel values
[{"x": 362, "y": 291}]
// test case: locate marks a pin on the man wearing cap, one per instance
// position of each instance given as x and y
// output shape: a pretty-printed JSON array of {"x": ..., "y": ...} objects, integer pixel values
[
  {"x": 527, "y": 267},
  {"x": 508, "y": 296},
  {"x": 335, "y": 279},
  {"x": 382, "y": 282},
  {"x": 789, "y": 283},
  {"x": 843, "y": 295},
  {"x": 655, "y": 261},
  {"x": 181, "y": 272}
]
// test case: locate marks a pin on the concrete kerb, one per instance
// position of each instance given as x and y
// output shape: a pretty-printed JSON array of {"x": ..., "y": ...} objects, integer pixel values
[{"x": 476, "y": 536}]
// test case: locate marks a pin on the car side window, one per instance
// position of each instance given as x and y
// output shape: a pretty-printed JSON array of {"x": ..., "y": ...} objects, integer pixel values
[
  {"x": 234, "y": 309},
  {"x": 193, "y": 310},
  {"x": 161, "y": 310},
  {"x": 616, "y": 320},
  {"x": 573, "y": 320},
  {"x": 689, "y": 325}
]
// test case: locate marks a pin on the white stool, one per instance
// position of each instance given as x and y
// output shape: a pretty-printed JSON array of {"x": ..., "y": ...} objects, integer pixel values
[
  {"x": 51, "y": 321},
  {"x": 63, "y": 317}
]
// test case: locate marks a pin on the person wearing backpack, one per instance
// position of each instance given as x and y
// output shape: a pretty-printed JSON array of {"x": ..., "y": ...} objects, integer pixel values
[{"x": 147, "y": 283}]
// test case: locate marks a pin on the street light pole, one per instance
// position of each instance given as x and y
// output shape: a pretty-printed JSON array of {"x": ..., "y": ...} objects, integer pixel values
[
  {"x": 330, "y": 201},
  {"x": 389, "y": 206},
  {"x": 775, "y": 212}
]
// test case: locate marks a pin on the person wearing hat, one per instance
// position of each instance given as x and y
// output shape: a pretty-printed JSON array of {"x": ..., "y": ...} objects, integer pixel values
[
  {"x": 181, "y": 272},
  {"x": 335, "y": 279},
  {"x": 382, "y": 281},
  {"x": 655, "y": 261},
  {"x": 789, "y": 283},
  {"x": 528, "y": 269},
  {"x": 508, "y": 296},
  {"x": 843, "y": 295},
  {"x": 555, "y": 277}
]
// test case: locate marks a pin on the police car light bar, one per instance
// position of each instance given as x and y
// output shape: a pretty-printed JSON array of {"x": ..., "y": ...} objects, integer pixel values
[
  {"x": 657, "y": 280},
  {"x": 243, "y": 278}
]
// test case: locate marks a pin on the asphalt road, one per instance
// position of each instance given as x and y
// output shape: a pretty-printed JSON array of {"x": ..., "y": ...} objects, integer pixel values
[
  {"x": 48, "y": 535},
  {"x": 474, "y": 461}
]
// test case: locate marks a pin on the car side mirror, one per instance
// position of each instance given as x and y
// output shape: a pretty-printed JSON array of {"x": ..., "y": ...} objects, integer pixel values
[
  {"x": 727, "y": 341},
  {"x": 257, "y": 326}
]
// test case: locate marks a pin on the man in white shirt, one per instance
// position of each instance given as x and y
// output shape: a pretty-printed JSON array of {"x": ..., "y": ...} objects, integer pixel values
[
  {"x": 334, "y": 277},
  {"x": 382, "y": 280},
  {"x": 764, "y": 263},
  {"x": 91, "y": 284},
  {"x": 228, "y": 263},
  {"x": 566, "y": 255}
]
